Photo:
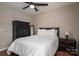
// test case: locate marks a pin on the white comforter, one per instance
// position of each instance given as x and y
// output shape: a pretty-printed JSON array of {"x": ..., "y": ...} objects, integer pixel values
[{"x": 37, "y": 45}]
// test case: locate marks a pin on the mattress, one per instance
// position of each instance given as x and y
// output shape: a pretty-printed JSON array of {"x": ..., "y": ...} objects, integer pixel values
[{"x": 36, "y": 45}]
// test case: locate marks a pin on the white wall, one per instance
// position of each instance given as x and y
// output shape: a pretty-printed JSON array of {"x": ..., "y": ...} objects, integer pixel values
[
  {"x": 64, "y": 18},
  {"x": 78, "y": 20},
  {"x": 7, "y": 15}
]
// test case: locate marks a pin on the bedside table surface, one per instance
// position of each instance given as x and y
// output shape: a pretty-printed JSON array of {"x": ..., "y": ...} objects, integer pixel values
[{"x": 67, "y": 38}]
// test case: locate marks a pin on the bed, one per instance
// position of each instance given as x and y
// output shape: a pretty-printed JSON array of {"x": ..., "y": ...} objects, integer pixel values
[{"x": 36, "y": 45}]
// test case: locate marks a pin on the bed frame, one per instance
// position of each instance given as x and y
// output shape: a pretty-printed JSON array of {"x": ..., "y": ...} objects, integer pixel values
[{"x": 22, "y": 29}]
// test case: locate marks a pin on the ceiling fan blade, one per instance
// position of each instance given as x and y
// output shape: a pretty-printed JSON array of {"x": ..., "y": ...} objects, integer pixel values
[
  {"x": 37, "y": 4},
  {"x": 36, "y": 9},
  {"x": 26, "y": 7},
  {"x": 27, "y": 2}
]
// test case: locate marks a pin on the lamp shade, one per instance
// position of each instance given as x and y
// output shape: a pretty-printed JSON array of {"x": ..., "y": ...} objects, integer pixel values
[{"x": 66, "y": 33}]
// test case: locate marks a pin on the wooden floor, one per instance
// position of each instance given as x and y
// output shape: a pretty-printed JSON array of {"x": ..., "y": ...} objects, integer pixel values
[
  {"x": 58, "y": 53},
  {"x": 62, "y": 53},
  {"x": 4, "y": 53}
]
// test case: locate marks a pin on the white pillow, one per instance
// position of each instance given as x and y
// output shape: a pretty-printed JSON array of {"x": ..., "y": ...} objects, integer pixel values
[
  {"x": 41, "y": 32},
  {"x": 47, "y": 32},
  {"x": 51, "y": 32}
]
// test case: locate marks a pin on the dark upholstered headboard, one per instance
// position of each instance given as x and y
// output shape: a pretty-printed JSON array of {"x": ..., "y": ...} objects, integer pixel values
[
  {"x": 20, "y": 29},
  {"x": 48, "y": 28}
]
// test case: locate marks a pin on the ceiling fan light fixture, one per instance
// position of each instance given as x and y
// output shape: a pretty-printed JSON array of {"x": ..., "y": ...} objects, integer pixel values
[{"x": 32, "y": 6}]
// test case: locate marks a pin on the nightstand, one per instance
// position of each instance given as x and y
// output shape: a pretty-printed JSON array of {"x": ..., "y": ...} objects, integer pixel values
[{"x": 68, "y": 45}]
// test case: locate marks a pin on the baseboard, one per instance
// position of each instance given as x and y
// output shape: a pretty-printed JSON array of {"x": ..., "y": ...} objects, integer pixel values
[{"x": 3, "y": 49}]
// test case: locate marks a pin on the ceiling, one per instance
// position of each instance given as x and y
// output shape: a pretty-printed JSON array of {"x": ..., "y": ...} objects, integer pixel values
[{"x": 51, "y": 6}]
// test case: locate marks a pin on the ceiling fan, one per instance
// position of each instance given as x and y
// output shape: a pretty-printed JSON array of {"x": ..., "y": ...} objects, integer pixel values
[{"x": 34, "y": 5}]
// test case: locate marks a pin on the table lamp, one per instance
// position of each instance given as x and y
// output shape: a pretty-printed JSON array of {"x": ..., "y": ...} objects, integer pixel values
[{"x": 66, "y": 34}]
